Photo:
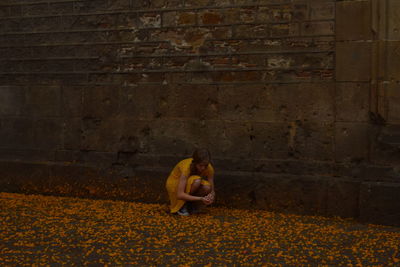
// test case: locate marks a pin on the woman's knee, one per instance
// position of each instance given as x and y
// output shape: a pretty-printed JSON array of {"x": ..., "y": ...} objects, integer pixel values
[
  {"x": 195, "y": 186},
  {"x": 205, "y": 189}
]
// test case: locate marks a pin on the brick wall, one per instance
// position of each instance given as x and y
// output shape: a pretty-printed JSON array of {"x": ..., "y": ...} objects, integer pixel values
[
  {"x": 126, "y": 88},
  {"x": 160, "y": 77}
]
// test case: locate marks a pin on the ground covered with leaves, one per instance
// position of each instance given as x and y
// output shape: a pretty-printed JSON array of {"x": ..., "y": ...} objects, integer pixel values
[{"x": 45, "y": 230}]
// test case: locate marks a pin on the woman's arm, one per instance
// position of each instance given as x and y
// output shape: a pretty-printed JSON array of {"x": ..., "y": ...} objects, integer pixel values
[
  {"x": 180, "y": 194},
  {"x": 211, "y": 196},
  {"x": 211, "y": 181}
]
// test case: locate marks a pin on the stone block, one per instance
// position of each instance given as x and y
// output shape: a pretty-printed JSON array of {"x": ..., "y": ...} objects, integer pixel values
[
  {"x": 4, "y": 12},
  {"x": 27, "y": 155},
  {"x": 61, "y": 8},
  {"x": 72, "y": 133},
  {"x": 144, "y": 184},
  {"x": 234, "y": 190},
  {"x": 128, "y": 162},
  {"x": 224, "y": 61},
  {"x": 280, "y": 193},
  {"x": 235, "y": 139},
  {"x": 100, "y": 101},
  {"x": 51, "y": 66},
  {"x": 71, "y": 102},
  {"x": 351, "y": 141},
  {"x": 289, "y": 166},
  {"x": 17, "y": 133},
  {"x": 385, "y": 145},
  {"x": 101, "y": 134},
  {"x": 169, "y": 138},
  {"x": 139, "y": 136},
  {"x": 15, "y": 52},
  {"x": 352, "y": 102},
  {"x": 279, "y": 14},
  {"x": 196, "y": 3},
  {"x": 33, "y": 24},
  {"x": 268, "y": 140},
  {"x": 274, "y": 103},
  {"x": 311, "y": 140},
  {"x": 11, "y": 40},
  {"x": 35, "y": 9},
  {"x": 91, "y": 7},
  {"x": 10, "y": 67},
  {"x": 142, "y": 101},
  {"x": 236, "y": 76},
  {"x": 317, "y": 28},
  {"x": 149, "y": 20},
  {"x": 367, "y": 172},
  {"x": 43, "y": 101},
  {"x": 181, "y": 137},
  {"x": 15, "y": 10},
  {"x": 343, "y": 198},
  {"x": 281, "y": 30},
  {"x": 393, "y": 102},
  {"x": 229, "y": 15},
  {"x": 191, "y": 101},
  {"x": 177, "y": 63},
  {"x": 353, "y": 20},
  {"x": 47, "y": 134},
  {"x": 206, "y": 133},
  {"x": 393, "y": 13},
  {"x": 59, "y": 51},
  {"x": 393, "y": 60},
  {"x": 67, "y": 156},
  {"x": 322, "y": 11},
  {"x": 304, "y": 195},
  {"x": 220, "y": 32},
  {"x": 12, "y": 100},
  {"x": 353, "y": 62},
  {"x": 253, "y": 31},
  {"x": 99, "y": 159},
  {"x": 169, "y": 19},
  {"x": 173, "y": 3},
  {"x": 120, "y": 5},
  {"x": 88, "y": 65},
  {"x": 10, "y": 25},
  {"x": 49, "y": 79},
  {"x": 186, "y": 18},
  {"x": 380, "y": 203}
]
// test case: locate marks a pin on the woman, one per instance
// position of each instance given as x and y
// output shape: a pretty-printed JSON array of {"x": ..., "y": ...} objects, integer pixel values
[{"x": 191, "y": 179}]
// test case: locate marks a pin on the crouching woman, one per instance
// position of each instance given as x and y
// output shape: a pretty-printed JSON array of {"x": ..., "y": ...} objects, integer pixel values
[{"x": 191, "y": 181}]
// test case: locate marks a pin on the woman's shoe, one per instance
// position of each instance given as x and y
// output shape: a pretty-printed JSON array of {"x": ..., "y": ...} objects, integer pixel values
[{"x": 183, "y": 211}]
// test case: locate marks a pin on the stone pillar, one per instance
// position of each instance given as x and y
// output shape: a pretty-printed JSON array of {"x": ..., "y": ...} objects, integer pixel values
[{"x": 367, "y": 100}]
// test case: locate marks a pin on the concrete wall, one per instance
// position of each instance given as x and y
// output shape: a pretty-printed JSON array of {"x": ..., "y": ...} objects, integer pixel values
[{"x": 298, "y": 100}]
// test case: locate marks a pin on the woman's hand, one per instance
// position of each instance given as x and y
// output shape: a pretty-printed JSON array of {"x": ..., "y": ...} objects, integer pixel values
[
  {"x": 206, "y": 200},
  {"x": 209, "y": 198}
]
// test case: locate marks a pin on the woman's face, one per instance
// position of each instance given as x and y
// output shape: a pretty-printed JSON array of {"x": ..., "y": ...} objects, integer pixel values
[{"x": 200, "y": 167}]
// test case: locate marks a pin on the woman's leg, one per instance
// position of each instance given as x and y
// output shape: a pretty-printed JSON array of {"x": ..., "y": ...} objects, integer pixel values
[
  {"x": 199, "y": 189},
  {"x": 199, "y": 206},
  {"x": 203, "y": 190},
  {"x": 196, "y": 185}
]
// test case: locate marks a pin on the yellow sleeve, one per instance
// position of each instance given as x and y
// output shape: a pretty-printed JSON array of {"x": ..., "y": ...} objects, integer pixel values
[
  {"x": 184, "y": 167},
  {"x": 210, "y": 170}
]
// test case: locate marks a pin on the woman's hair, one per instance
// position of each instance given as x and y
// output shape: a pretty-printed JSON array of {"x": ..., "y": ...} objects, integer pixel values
[{"x": 201, "y": 155}]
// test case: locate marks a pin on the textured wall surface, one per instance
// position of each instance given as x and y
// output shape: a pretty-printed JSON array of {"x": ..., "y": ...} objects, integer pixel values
[{"x": 298, "y": 100}]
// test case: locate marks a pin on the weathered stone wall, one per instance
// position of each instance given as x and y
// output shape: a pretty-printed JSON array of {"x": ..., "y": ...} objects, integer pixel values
[{"x": 298, "y": 100}]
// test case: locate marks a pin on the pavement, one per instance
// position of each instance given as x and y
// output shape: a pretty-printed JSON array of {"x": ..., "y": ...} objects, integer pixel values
[{"x": 40, "y": 230}]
